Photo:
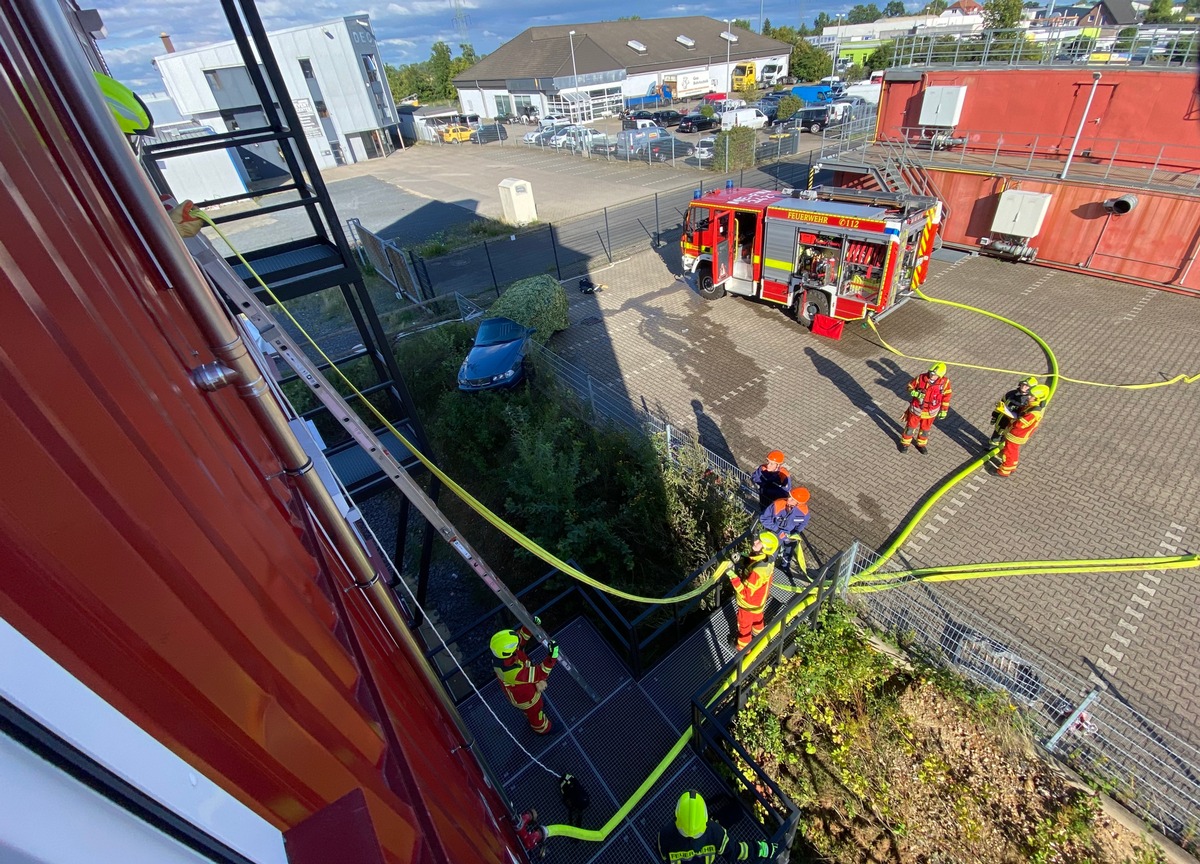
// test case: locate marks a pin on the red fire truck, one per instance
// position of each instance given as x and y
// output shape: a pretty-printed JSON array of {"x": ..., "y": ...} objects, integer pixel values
[{"x": 843, "y": 253}]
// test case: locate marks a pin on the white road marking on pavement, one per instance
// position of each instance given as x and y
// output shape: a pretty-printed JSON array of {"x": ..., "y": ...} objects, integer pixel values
[
  {"x": 1036, "y": 285},
  {"x": 1135, "y": 598},
  {"x": 1140, "y": 305}
]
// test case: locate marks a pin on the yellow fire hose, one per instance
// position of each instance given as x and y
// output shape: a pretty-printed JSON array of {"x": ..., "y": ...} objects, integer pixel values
[{"x": 864, "y": 582}]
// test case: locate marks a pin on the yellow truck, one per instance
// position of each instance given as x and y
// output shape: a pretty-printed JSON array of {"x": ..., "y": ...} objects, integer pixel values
[{"x": 743, "y": 77}]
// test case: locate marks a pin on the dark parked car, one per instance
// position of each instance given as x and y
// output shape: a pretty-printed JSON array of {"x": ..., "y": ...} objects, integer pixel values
[
  {"x": 812, "y": 119},
  {"x": 497, "y": 359},
  {"x": 667, "y": 118},
  {"x": 489, "y": 132},
  {"x": 640, "y": 114},
  {"x": 667, "y": 148},
  {"x": 696, "y": 123}
]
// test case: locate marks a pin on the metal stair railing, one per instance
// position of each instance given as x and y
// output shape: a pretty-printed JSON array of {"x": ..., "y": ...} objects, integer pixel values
[{"x": 904, "y": 161}]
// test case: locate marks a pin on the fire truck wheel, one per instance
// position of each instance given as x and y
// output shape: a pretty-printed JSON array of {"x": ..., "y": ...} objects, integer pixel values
[
  {"x": 704, "y": 284},
  {"x": 815, "y": 303}
]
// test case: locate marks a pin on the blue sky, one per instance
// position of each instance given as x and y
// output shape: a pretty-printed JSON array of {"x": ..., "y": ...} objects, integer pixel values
[{"x": 405, "y": 29}]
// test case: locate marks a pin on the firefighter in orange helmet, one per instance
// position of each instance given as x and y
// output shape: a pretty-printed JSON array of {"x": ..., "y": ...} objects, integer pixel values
[
  {"x": 1021, "y": 428},
  {"x": 772, "y": 479},
  {"x": 522, "y": 679},
  {"x": 752, "y": 587},
  {"x": 929, "y": 398}
]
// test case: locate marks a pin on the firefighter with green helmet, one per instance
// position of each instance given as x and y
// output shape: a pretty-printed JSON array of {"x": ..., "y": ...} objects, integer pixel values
[
  {"x": 751, "y": 578},
  {"x": 695, "y": 837},
  {"x": 522, "y": 679},
  {"x": 928, "y": 399}
]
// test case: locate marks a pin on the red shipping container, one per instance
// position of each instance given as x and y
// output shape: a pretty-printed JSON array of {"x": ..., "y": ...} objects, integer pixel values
[{"x": 827, "y": 326}]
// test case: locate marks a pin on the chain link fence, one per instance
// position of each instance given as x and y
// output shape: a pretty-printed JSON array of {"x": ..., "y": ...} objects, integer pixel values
[{"x": 1151, "y": 771}]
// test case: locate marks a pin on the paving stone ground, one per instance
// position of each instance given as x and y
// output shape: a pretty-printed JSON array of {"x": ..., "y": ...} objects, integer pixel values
[{"x": 1110, "y": 473}]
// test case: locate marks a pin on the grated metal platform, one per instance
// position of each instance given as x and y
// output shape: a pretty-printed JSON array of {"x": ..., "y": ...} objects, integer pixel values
[{"x": 614, "y": 744}]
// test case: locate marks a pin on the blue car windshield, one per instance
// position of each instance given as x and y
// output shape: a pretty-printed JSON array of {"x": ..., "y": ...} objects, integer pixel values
[{"x": 496, "y": 331}]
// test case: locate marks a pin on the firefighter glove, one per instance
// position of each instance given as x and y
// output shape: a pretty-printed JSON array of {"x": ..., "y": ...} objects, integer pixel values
[
  {"x": 942, "y": 415},
  {"x": 914, "y": 393},
  {"x": 554, "y": 650},
  {"x": 537, "y": 622},
  {"x": 735, "y": 557}
]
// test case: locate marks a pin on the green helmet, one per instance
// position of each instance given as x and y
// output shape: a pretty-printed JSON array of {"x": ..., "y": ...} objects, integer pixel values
[
  {"x": 505, "y": 643},
  {"x": 130, "y": 112},
  {"x": 1031, "y": 381},
  {"x": 1039, "y": 394},
  {"x": 691, "y": 814},
  {"x": 770, "y": 542},
  {"x": 938, "y": 369}
]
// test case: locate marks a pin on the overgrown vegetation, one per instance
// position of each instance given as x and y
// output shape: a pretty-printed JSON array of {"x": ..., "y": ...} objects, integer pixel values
[
  {"x": 610, "y": 500},
  {"x": 431, "y": 80},
  {"x": 538, "y": 302},
  {"x": 463, "y": 234},
  {"x": 734, "y": 148},
  {"x": 915, "y": 765}
]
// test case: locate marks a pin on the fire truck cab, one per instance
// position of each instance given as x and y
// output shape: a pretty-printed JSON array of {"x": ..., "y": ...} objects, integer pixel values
[{"x": 843, "y": 253}]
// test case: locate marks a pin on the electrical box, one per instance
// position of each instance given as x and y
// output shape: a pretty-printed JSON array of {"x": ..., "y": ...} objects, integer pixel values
[
  {"x": 516, "y": 201},
  {"x": 1020, "y": 214},
  {"x": 942, "y": 106}
]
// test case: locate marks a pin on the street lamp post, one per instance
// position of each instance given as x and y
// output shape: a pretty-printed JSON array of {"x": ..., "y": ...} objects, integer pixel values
[
  {"x": 837, "y": 38},
  {"x": 728, "y": 71},
  {"x": 574, "y": 74}
]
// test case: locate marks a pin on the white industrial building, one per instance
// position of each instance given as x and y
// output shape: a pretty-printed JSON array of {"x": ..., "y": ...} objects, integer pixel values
[
  {"x": 334, "y": 78},
  {"x": 590, "y": 70}
]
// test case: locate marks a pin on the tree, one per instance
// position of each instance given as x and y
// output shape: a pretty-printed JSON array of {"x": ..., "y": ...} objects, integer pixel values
[
  {"x": 766, "y": 27},
  {"x": 431, "y": 80},
  {"x": 935, "y": 7},
  {"x": 821, "y": 22},
  {"x": 788, "y": 106},
  {"x": 441, "y": 70},
  {"x": 741, "y": 22},
  {"x": 864, "y": 14},
  {"x": 809, "y": 63},
  {"x": 881, "y": 58},
  {"x": 1001, "y": 14},
  {"x": 1160, "y": 12},
  {"x": 895, "y": 9},
  {"x": 854, "y": 73}
]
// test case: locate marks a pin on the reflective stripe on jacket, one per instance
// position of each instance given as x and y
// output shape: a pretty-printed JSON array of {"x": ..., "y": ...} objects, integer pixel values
[
  {"x": 754, "y": 589},
  {"x": 932, "y": 398},
  {"x": 1021, "y": 428}
]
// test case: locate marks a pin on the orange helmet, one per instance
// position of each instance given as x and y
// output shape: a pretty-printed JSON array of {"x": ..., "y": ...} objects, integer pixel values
[
  {"x": 800, "y": 496},
  {"x": 776, "y": 456}
]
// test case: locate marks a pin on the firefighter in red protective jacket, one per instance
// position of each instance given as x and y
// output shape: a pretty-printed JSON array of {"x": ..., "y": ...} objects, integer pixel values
[
  {"x": 929, "y": 398},
  {"x": 1020, "y": 429},
  {"x": 523, "y": 680},
  {"x": 786, "y": 518},
  {"x": 752, "y": 586}
]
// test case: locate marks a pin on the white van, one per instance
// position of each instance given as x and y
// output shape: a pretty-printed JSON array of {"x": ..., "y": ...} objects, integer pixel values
[{"x": 751, "y": 117}]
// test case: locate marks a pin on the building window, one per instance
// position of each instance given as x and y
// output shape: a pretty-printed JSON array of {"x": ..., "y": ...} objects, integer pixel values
[
  {"x": 306, "y": 68},
  {"x": 214, "y": 79},
  {"x": 322, "y": 109},
  {"x": 503, "y": 106},
  {"x": 370, "y": 67}
]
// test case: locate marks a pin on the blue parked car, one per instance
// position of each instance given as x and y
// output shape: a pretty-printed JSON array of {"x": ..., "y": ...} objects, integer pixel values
[{"x": 497, "y": 359}]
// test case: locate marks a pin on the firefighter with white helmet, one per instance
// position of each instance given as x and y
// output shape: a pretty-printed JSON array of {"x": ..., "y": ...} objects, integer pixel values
[
  {"x": 695, "y": 837},
  {"x": 522, "y": 679},
  {"x": 1020, "y": 429},
  {"x": 929, "y": 398}
]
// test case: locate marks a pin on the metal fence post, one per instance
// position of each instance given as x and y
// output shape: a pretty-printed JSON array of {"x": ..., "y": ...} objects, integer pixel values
[
  {"x": 1071, "y": 721},
  {"x": 488, "y": 253},
  {"x": 846, "y": 570},
  {"x": 657, "y": 226},
  {"x": 607, "y": 236},
  {"x": 554, "y": 249}
]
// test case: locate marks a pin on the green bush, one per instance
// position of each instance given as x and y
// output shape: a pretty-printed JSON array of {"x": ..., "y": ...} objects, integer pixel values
[
  {"x": 535, "y": 302},
  {"x": 734, "y": 149}
]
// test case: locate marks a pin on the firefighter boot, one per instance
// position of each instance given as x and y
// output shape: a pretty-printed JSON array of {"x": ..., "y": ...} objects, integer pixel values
[{"x": 921, "y": 449}]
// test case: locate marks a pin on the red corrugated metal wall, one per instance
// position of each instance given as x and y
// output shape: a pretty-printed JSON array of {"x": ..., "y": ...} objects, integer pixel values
[
  {"x": 1010, "y": 107},
  {"x": 148, "y": 544}
]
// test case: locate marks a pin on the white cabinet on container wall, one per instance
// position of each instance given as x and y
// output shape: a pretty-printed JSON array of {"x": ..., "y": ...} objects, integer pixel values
[{"x": 942, "y": 106}]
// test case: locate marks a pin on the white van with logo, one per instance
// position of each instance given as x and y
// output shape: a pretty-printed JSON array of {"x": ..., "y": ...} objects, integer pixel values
[{"x": 751, "y": 117}]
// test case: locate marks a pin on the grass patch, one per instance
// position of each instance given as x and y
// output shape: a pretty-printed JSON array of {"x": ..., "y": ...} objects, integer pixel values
[{"x": 465, "y": 234}]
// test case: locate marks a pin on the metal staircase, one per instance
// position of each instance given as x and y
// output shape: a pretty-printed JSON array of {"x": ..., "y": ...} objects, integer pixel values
[
  {"x": 315, "y": 261},
  {"x": 891, "y": 162}
]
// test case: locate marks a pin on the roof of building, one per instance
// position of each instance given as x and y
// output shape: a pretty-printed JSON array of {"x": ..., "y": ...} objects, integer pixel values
[
  {"x": 545, "y": 52},
  {"x": 1121, "y": 11},
  {"x": 969, "y": 7}
]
